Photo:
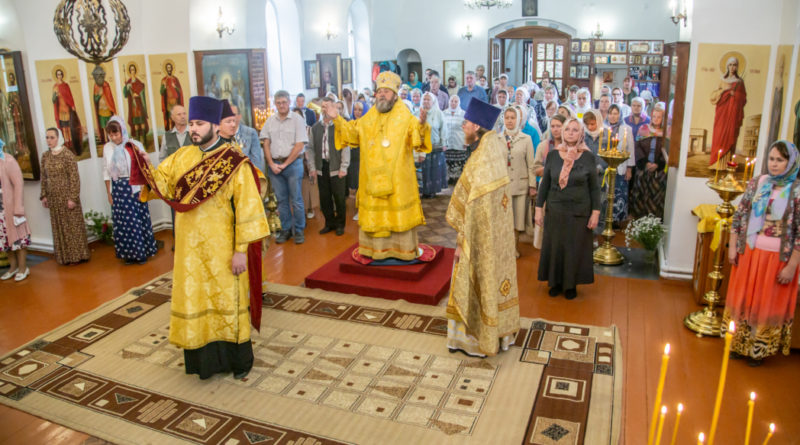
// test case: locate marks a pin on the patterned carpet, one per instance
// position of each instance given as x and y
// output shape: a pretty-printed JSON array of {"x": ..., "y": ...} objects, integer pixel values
[{"x": 329, "y": 369}]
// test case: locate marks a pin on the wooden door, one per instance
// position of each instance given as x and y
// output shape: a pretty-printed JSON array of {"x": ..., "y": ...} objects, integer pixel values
[{"x": 549, "y": 54}]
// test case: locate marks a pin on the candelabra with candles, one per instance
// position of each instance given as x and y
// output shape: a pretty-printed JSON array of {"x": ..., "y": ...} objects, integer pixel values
[
  {"x": 606, "y": 254},
  {"x": 708, "y": 321}
]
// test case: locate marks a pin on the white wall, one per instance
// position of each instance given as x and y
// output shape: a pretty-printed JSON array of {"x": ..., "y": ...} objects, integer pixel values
[
  {"x": 710, "y": 22},
  {"x": 10, "y": 33},
  {"x": 156, "y": 27}
]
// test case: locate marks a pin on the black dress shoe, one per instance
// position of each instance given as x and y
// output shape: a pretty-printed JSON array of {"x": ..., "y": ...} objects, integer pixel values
[
  {"x": 753, "y": 362},
  {"x": 570, "y": 294},
  {"x": 283, "y": 237},
  {"x": 735, "y": 355},
  {"x": 340, "y": 231},
  {"x": 554, "y": 291},
  {"x": 325, "y": 230}
]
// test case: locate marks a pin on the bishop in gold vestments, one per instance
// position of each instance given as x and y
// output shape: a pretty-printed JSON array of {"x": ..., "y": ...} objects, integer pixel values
[
  {"x": 210, "y": 319},
  {"x": 483, "y": 307},
  {"x": 388, "y": 198}
]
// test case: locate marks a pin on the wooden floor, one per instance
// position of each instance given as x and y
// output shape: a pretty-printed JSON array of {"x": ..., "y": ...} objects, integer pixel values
[{"x": 648, "y": 314}]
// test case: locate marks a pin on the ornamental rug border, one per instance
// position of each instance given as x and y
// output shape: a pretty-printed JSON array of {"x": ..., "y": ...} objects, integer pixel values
[{"x": 49, "y": 377}]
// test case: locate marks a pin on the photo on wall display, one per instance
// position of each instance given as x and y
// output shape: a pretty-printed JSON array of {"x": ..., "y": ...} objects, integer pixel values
[
  {"x": 238, "y": 75},
  {"x": 729, "y": 92},
  {"x": 779, "y": 84},
  {"x": 62, "y": 103},
  {"x": 312, "y": 74},
  {"x": 530, "y": 8},
  {"x": 454, "y": 68},
  {"x": 135, "y": 100},
  {"x": 103, "y": 98},
  {"x": 330, "y": 68},
  {"x": 170, "y": 87},
  {"x": 16, "y": 128},
  {"x": 347, "y": 71}
]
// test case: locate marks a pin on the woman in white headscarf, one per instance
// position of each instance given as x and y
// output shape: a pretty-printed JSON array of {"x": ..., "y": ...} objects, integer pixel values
[
  {"x": 520, "y": 167},
  {"x": 584, "y": 103},
  {"x": 133, "y": 231},
  {"x": 61, "y": 193},
  {"x": 348, "y": 100},
  {"x": 434, "y": 168},
  {"x": 455, "y": 155}
]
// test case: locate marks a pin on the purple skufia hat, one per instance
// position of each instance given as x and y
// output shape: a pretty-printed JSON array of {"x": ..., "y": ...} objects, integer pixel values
[
  {"x": 202, "y": 108},
  {"x": 227, "y": 111},
  {"x": 482, "y": 113}
]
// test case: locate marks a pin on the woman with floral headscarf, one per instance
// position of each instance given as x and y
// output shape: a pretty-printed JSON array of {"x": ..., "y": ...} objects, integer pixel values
[
  {"x": 765, "y": 254},
  {"x": 649, "y": 187},
  {"x": 61, "y": 193},
  {"x": 133, "y": 231},
  {"x": 348, "y": 99},
  {"x": 520, "y": 167},
  {"x": 570, "y": 188},
  {"x": 15, "y": 236}
]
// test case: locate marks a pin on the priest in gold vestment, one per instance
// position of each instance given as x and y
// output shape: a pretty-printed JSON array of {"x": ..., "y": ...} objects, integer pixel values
[
  {"x": 483, "y": 308},
  {"x": 210, "y": 318},
  {"x": 387, "y": 201}
]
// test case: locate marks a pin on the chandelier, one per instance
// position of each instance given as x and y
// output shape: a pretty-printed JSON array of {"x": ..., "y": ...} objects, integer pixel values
[
  {"x": 477, "y": 4},
  {"x": 82, "y": 28}
]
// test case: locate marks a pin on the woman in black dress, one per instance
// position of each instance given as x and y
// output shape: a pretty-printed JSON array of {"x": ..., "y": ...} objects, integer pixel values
[{"x": 571, "y": 189}]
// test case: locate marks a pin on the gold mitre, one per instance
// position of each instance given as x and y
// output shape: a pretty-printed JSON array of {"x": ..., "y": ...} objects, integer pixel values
[{"x": 388, "y": 79}]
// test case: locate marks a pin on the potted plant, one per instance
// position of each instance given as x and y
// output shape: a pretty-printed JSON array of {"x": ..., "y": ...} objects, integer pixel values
[
  {"x": 647, "y": 231},
  {"x": 99, "y": 226}
]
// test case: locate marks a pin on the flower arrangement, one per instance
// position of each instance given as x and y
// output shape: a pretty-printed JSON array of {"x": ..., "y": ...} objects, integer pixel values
[
  {"x": 647, "y": 231},
  {"x": 99, "y": 226}
]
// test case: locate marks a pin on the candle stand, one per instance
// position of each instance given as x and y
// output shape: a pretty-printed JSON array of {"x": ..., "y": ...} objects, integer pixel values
[
  {"x": 606, "y": 254},
  {"x": 708, "y": 321}
]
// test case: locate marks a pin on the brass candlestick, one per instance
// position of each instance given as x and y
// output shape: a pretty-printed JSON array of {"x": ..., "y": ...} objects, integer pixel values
[
  {"x": 272, "y": 209},
  {"x": 708, "y": 321},
  {"x": 606, "y": 254},
  {"x": 3, "y": 259}
]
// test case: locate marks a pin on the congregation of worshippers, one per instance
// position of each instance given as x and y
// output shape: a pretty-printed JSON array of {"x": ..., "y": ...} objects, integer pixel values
[{"x": 516, "y": 163}]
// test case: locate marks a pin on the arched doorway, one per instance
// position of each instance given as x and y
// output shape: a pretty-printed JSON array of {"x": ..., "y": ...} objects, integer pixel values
[
  {"x": 409, "y": 60},
  {"x": 524, "y": 50},
  {"x": 531, "y": 51}
]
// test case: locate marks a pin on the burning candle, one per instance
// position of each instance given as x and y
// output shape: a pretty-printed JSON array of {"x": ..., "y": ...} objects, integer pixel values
[
  {"x": 701, "y": 439},
  {"x": 677, "y": 422},
  {"x": 746, "y": 165},
  {"x": 659, "y": 391},
  {"x": 661, "y": 424},
  {"x": 719, "y": 156},
  {"x": 750, "y": 406},
  {"x": 769, "y": 434},
  {"x": 721, "y": 385},
  {"x": 624, "y": 138}
]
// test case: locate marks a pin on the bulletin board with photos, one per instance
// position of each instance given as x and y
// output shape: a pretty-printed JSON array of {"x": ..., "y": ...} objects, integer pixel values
[{"x": 642, "y": 58}]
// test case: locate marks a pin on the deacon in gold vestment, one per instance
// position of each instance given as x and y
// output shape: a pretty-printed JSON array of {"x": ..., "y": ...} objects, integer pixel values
[
  {"x": 387, "y": 201},
  {"x": 210, "y": 319},
  {"x": 483, "y": 308}
]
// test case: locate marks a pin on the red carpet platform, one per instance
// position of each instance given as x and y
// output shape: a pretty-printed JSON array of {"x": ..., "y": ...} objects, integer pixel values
[{"x": 424, "y": 283}]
